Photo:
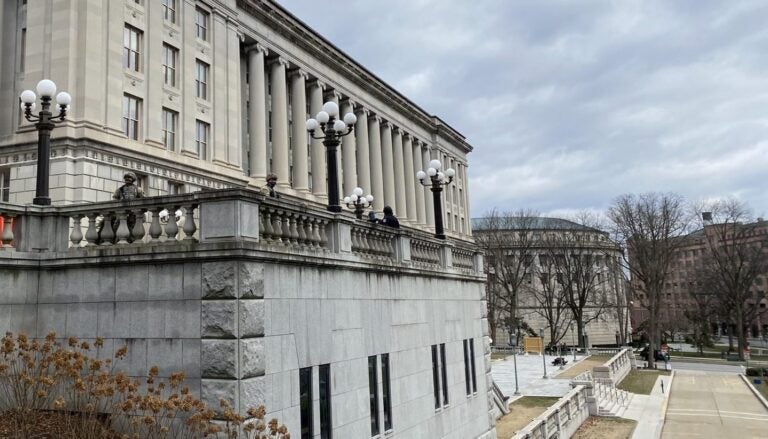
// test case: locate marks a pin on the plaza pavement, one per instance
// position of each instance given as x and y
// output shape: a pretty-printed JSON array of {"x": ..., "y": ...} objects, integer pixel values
[
  {"x": 530, "y": 373},
  {"x": 648, "y": 410}
]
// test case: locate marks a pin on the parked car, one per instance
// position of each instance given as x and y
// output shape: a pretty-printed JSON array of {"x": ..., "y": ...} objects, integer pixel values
[{"x": 657, "y": 354}]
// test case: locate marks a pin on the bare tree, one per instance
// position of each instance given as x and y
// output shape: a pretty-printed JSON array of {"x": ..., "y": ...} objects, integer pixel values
[
  {"x": 507, "y": 241},
  {"x": 649, "y": 227},
  {"x": 550, "y": 300},
  {"x": 735, "y": 259}
]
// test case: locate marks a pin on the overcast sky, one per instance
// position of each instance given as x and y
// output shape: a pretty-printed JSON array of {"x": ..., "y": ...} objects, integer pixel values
[{"x": 569, "y": 104}]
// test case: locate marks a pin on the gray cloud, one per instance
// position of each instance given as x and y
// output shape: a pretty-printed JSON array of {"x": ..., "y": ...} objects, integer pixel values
[{"x": 569, "y": 104}]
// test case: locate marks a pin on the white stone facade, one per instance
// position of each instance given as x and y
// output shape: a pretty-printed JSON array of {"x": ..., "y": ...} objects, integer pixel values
[{"x": 265, "y": 73}]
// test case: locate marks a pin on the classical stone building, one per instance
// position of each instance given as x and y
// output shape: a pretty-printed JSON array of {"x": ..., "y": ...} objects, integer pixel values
[
  {"x": 342, "y": 328},
  {"x": 549, "y": 251}
]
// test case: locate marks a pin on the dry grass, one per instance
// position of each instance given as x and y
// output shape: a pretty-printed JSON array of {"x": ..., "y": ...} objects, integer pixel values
[
  {"x": 641, "y": 381},
  {"x": 48, "y": 390},
  {"x": 522, "y": 413},
  {"x": 583, "y": 366},
  {"x": 605, "y": 428}
]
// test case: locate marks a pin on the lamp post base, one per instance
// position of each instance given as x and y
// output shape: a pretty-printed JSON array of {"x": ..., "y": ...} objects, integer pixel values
[
  {"x": 440, "y": 235},
  {"x": 334, "y": 208},
  {"x": 42, "y": 201}
]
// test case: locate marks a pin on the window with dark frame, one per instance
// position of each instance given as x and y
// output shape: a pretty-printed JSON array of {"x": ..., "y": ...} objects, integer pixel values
[
  {"x": 436, "y": 375},
  {"x": 23, "y": 49},
  {"x": 201, "y": 79},
  {"x": 373, "y": 396},
  {"x": 202, "y": 18},
  {"x": 202, "y": 138},
  {"x": 169, "y": 10},
  {"x": 131, "y": 110},
  {"x": 386, "y": 392},
  {"x": 467, "y": 378},
  {"x": 170, "y": 124},
  {"x": 5, "y": 184},
  {"x": 305, "y": 402},
  {"x": 170, "y": 62},
  {"x": 175, "y": 188},
  {"x": 472, "y": 363},
  {"x": 444, "y": 374},
  {"x": 131, "y": 48},
  {"x": 324, "y": 372}
]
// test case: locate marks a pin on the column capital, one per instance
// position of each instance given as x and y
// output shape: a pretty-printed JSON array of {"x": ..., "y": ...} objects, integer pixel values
[
  {"x": 318, "y": 83},
  {"x": 397, "y": 130},
  {"x": 298, "y": 72},
  {"x": 375, "y": 117},
  {"x": 351, "y": 102},
  {"x": 364, "y": 112},
  {"x": 280, "y": 60},
  {"x": 334, "y": 95},
  {"x": 388, "y": 124},
  {"x": 261, "y": 48}
]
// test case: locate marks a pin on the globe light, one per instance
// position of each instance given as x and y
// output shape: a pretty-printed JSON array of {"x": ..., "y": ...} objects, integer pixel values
[
  {"x": 358, "y": 191},
  {"x": 431, "y": 172},
  {"x": 63, "y": 99},
  {"x": 28, "y": 97},
  {"x": 421, "y": 175},
  {"x": 46, "y": 88},
  {"x": 440, "y": 176},
  {"x": 322, "y": 117},
  {"x": 353, "y": 197},
  {"x": 339, "y": 126},
  {"x": 369, "y": 198},
  {"x": 350, "y": 119},
  {"x": 347, "y": 200},
  {"x": 312, "y": 124},
  {"x": 450, "y": 172},
  {"x": 435, "y": 164},
  {"x": 331, "y": 108}
]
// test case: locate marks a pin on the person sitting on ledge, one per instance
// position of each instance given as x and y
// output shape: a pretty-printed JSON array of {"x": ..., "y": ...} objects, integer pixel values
[
  {"x": 389, "y": 219},
  {"x": 129, "y": 190},
  {"x": 269, "y": 189}
]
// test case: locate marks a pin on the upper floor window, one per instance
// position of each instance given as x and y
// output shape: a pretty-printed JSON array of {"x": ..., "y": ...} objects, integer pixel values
[
  {"x": 170, "y": 61},
  {"x": 131, "y": 110},
  {"x": 202, "y": 19},
  {"x": 131, "y": 47},
  {"x": 201, "y": 79},
  {"x": 169, "y": 10},
  {"x": 170, "y": 122},
  {"x": 5, "y": 184},
  {"x": 202, "y": 136}
]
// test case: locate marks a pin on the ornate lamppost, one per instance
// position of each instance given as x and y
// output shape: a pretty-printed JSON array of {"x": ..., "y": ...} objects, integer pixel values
[
  {"x": 543, "y": 357},
  {"x": 333, "y": 130},
  {"x": 358, "y": 202},
  {"x": 45, "y": 122},
  {"x": 437, "y": 181}
]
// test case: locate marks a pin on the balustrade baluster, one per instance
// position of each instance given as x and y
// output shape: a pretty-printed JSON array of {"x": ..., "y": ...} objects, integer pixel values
[
  {"x": 123, "y": 233},
  {"x": 171, "y": 228},
  {"x": 155, "y": 229},
  {"x": 266, "y": 222},
  {"x": 300, "y": 221},
  {"x": 316, "y": 242},
  {"x": 92, "y": 234},
  {"x": 189, "y": 223},
  {"x": 77, "y": 232},
  {"x": 277, "y": 226},
  {"x": 7, "y": 237},
  {"x": 138, "y": 231},
  {"x": 286, "y": 234},
  {"x": 107, "y": 233},
  {"x": 294, "y": 228}
]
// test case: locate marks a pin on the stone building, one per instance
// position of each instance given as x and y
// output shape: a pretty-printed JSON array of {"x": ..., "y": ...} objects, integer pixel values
[
  {"x": 342, "y": 328},
  {"x": 540, "y": 244}
]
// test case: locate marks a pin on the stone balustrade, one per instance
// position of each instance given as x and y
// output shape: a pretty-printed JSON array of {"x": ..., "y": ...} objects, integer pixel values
[
  {"x": 8, "y": 214},
  {"x": 561, "y": 420},
  {"x": 617, "y": 368},
  {"x": 373, "y": 241}
]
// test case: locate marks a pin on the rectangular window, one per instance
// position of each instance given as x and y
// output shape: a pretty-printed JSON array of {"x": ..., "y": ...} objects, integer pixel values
[
  {"x": 472, "y": 363},
  {"x": 325, "y": 401},
  {"x": 373, "y": 395},
  {"x": 202, "y": 136},
  {"x": 131, "y": 48},
  {"x": 201, "y": 79},
  {"x": 5, "y": 184},
  {"x": 386, "y": 393},
  {"x": 436, "y": 376},
  {"x": 23, "y": 49},
  {"x": 169, "y": 10},
  {"x": 170, "y": 61},
  {"x": 175, "y": 188},
  {"x": 170, "y": 123},
  {"x": 131, "y": 110},
  {"x": 467, "y": 368},
  {"x": 305, "y": 402},
  {"x": 201, "y": 24},
  {"x": 444, "y": 374}
]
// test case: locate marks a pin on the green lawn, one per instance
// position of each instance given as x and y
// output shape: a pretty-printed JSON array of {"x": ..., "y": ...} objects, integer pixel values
[
  {"x": 499, "y": 355},
  {"x": 535, "y": 401},
  {"x": 641, "y": 381},
  {"x": 762, "y": 387}
]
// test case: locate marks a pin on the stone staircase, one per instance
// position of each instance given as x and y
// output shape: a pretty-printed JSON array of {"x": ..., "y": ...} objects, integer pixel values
[{"x": 611, "y": 402}]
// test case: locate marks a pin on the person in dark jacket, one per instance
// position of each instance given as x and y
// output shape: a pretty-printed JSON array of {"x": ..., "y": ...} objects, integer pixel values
[{"x": 390, "y": 219}]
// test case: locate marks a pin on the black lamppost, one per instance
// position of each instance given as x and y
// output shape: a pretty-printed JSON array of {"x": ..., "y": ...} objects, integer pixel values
[
  {"x": 437, "y": 181},
  {"x": 358, "y": 202},
  {"x": 333, "y": 130},
  {"x": 45, "y": 124}
]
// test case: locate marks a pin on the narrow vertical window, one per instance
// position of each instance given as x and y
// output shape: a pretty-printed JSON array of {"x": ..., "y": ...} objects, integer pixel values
[
  {"x": 131, "y": 48},
  {"x": 467, "y": 378},
  {"x": 131, "y": 108},
  {"x": 305, "y": 402},
  {"x": 373, "y": 395},
  {"x": 444, "y": 373},
  {"x": 436, "y": 376},
  {"x": 201, "y": 24},
  {"x": 175, "y": 188},
  {"x": 201, "y": 79},
  {"x": 324, "y": 373},
  {"x": 170, "y": 62},
  {"x": 386, "y": 393},
  {"x": 472, "y": 363},
  {"x": 169, "y": 10},
  {"x": 5, "y": 184},
  {"x": 170, "y": 122},
  {"x": 23, "y": 50},
  {"x": 202, "y": 137}
]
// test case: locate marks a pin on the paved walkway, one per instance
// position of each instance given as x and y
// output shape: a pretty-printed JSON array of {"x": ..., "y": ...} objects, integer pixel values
[
  {"x": 707, "y": 404},
  {"x": 648, "y": 410},
  {"x": 530, "y": 373}
]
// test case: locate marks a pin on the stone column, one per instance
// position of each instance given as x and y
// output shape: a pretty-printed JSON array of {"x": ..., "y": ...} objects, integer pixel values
[
  {"x": 257, "y": 113},
  {"x": 377, "y": 179},
  {"x": 318, "y": 150},
  {"x": 280, "y": 122},
  {"x": 425, "y": 159},
  {"x": 421, "y": 207},
  {"x": 401, "y": 208},
  {"x": 410, "y": 179},
  {"x": 348, "y": 147},
  {"x": 387, "y": 165},
  {"x": 299, "y": 134},
  {"x": 465, "y": 177},
  {"x": 363, "y": 161}
]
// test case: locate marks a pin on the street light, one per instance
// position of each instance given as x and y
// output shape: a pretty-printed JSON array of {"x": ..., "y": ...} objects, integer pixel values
[
  {"x": 45, "y": 124},
  {"x": 543, "y": 357},
  {"x": 333, "y": 130},
  {"x": 359, "y": 202},
  {"x": 573, "y": 342},
  {"x": 514, "y": 357},
  {"x": 437, "y": 181}
]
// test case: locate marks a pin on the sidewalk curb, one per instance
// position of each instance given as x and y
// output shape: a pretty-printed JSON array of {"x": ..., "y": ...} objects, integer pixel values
[
  {"x": 756, "y": 393},
  {"x": 665, "y": 404}
]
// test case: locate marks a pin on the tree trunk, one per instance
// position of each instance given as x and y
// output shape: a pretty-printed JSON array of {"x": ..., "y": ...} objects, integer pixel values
[
  {"x": 742, "y": 340},
  {"x": 653, "y": 338},
  {"x": 492, "y": 328}
]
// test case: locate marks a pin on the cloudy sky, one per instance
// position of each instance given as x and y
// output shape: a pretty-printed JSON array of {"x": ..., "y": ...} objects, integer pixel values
[{"x": 569, "y": 104}]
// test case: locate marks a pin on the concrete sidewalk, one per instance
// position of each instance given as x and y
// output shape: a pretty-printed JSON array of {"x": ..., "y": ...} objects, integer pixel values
[
  {"x": 530, "y": 372},
  {"x": 648, "y": 410}
]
